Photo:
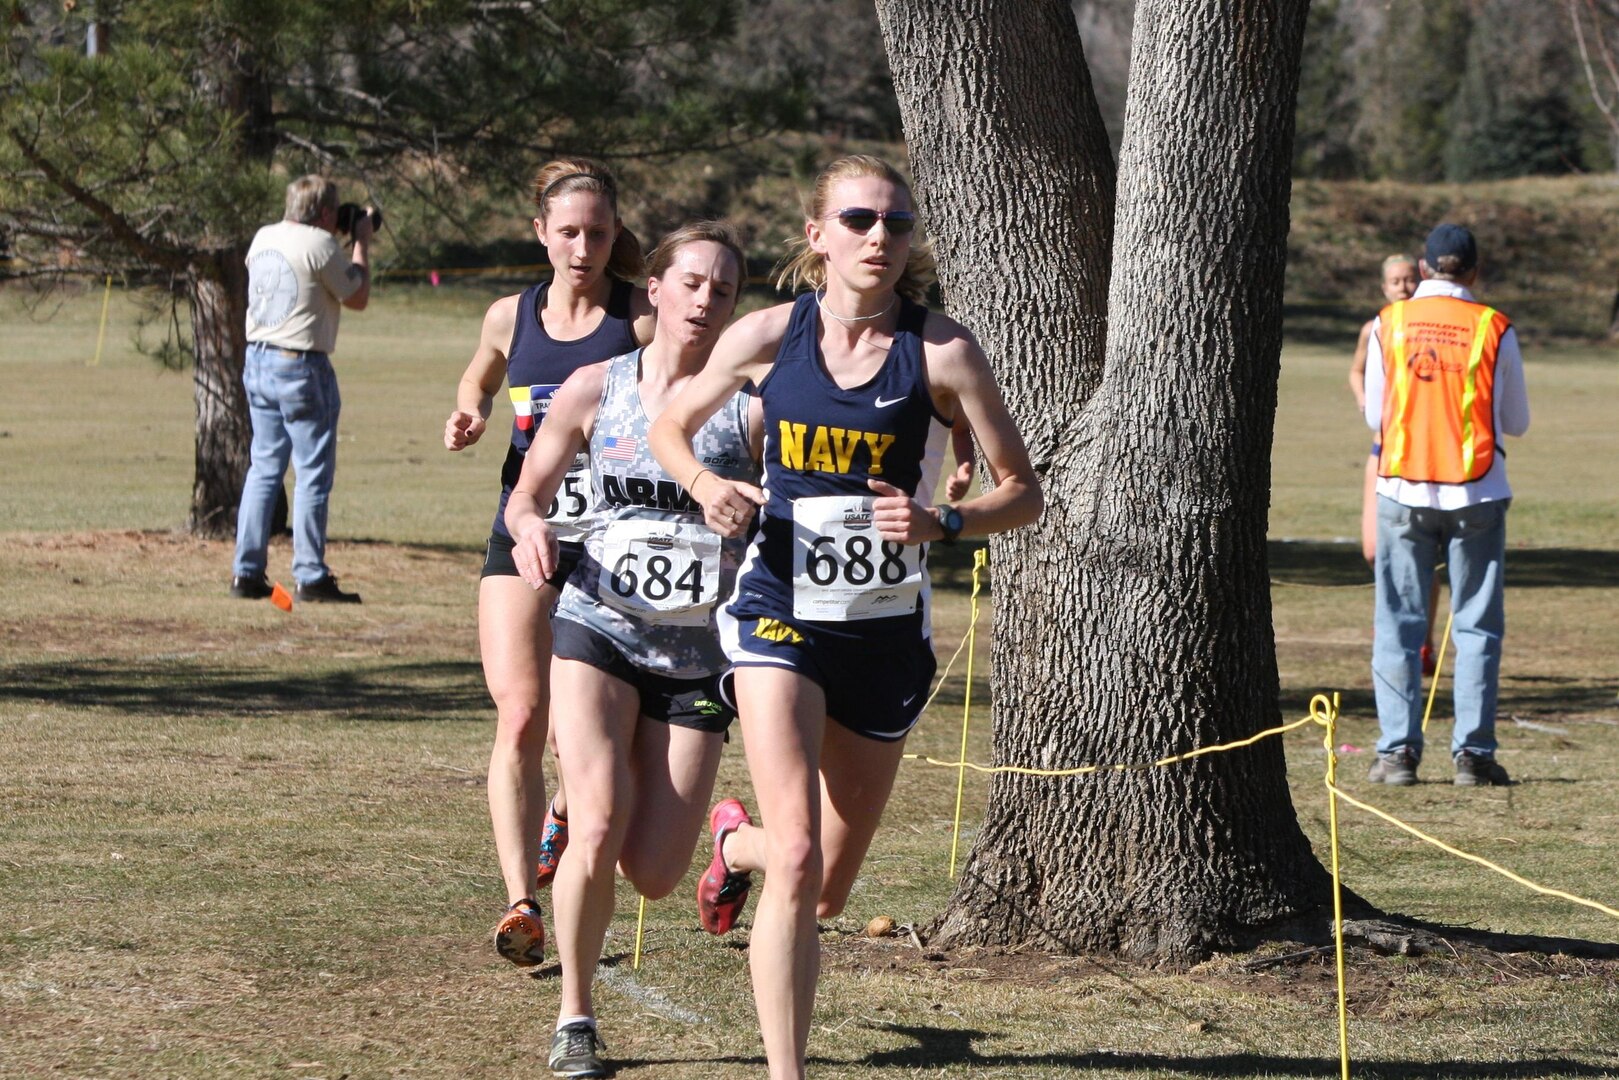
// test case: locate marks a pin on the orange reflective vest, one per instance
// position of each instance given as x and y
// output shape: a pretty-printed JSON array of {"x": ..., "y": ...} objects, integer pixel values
[{"x": 1439, "y": 389}]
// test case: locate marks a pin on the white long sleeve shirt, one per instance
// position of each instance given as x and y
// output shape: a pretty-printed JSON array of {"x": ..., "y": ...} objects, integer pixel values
[{"x": 1511, "y": 417}]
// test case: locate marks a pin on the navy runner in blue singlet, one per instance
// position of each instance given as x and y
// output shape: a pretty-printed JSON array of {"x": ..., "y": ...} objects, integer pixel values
[
  {"x": 536, "y": 365},
  {"x": 820, "y": 591}
]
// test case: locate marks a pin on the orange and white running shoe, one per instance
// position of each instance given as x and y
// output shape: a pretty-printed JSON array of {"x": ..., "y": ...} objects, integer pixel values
[{"x": 520, "y": 935}]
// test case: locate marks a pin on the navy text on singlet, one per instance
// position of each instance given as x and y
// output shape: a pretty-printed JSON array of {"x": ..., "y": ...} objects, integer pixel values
[{"x": 822, "y": 439}]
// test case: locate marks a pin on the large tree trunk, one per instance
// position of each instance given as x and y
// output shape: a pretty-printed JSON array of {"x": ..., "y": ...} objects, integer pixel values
[
  {"x": 218, "y": 296},
  {"x": 1135, "y": 621},
  {"x": 217, "y": 291},
  {"x": 1015, "y": 179}
]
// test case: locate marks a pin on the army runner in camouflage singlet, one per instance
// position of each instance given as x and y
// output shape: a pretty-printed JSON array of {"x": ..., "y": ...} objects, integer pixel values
[
  {"x": 653, "y": 573},
  {"x": 640, "y": 720}
]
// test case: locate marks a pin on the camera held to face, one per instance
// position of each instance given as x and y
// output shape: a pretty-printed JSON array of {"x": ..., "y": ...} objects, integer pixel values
[{"x": 350, "y": 213}]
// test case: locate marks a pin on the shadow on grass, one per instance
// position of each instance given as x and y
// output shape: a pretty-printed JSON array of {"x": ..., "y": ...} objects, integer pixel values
[
  {"x": 1319, "y": 563},
  {"x": 1322, "y": 321},
  {"x": 419, "y": 547},
  {"x": 1324, "y": 564},
  {"x": 1541, "y": 695},
  {"x": 419, "y": 691},
  {"x": 942, "y": 1048}
]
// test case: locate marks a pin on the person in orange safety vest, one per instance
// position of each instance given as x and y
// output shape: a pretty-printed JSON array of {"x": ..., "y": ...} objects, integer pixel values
[{"x": 1444, "y": 383}]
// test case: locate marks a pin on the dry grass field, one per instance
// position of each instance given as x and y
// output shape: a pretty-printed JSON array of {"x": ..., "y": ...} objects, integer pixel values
[{"x": 237, "y": 842}]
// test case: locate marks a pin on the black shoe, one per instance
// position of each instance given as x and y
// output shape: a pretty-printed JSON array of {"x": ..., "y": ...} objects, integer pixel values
[
  {"x": 256, "y": 587},
  {"x": 1476, "y": 770},
  {"x": 325, "y": 591},
  {"x": 1398, "y": 767},
  {"x": 576, "y": 1051}
]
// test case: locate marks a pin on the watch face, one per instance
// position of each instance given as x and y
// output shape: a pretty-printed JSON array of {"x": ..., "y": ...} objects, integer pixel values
[{"x": 951, "y": 522}]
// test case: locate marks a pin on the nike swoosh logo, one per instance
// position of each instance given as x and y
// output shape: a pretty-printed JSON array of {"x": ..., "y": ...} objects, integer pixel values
[
  {"x": 881, "y": 404},
  {"x": 907, "y": 702}
]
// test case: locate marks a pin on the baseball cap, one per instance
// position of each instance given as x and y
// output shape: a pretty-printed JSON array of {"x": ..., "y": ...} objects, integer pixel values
[{"x": 1453, "y": 240}]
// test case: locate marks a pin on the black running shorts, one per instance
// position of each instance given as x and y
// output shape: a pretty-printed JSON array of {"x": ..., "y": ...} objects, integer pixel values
[{"x": 688, "y": 703}]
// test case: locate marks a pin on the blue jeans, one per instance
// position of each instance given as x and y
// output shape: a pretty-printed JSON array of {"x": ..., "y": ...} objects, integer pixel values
[
  {"x": 294, "y": 404},
  {"x": 1410, "y": 543}
]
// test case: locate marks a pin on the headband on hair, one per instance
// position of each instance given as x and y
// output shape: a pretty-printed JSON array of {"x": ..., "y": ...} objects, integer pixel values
[{"x": 602, "y": 180}]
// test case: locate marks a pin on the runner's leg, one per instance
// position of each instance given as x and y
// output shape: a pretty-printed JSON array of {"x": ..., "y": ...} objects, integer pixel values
[
  {"x": 514, "y": 636},
  {"x": 595, "y": 741},
  {"x": 857, "y": 776},
  {"x": 783, "y": 718},
  {"x": 674, "y": 769}
]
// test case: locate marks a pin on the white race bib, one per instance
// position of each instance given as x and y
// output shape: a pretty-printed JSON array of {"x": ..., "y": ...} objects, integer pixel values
[
  {"x": 665, "y": 572},
  {"x": 842, "y": 570},
  {"x": 572, "y": 499}
]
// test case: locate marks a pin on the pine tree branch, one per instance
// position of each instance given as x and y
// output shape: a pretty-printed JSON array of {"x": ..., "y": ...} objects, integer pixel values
[{"x": 171, "y": 259}]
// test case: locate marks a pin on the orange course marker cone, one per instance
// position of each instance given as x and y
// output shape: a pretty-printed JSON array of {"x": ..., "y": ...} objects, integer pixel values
[{"x": 280, "y": 597}]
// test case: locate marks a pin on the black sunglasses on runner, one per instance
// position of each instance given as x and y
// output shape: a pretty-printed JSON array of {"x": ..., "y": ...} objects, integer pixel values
[{"x": 860, "y": 219}]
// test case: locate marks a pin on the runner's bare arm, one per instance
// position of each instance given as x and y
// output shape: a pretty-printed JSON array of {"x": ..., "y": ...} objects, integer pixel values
[
  {"x": 744, "y": 354},
  {"x": 475, "y": 394},
  {"x": 1357, "y": 368},
  {"x": 565, "y": 431},
  {"x": 963, "y": 384},
  {"x": 961, "y": 445}
]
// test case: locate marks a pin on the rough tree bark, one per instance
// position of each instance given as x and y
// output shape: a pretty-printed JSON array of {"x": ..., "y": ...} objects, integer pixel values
[
  {"x": 217, "y": 291},
  {"x": 1134, "y": 622},
  {"x": 1015, "y": 175}
]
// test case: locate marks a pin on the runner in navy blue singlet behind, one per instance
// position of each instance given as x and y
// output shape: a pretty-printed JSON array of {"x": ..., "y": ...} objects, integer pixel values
[
  {"x": 533, "y": 341},
  {"x": 828, "y": 628}
]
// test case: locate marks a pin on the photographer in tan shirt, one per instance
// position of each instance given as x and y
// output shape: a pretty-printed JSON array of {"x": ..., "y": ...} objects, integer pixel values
[{"x": 299, "y": 280}]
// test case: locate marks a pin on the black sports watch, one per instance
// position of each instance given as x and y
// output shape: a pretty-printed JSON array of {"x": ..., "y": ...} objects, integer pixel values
[{"x": 949, "y": 522}]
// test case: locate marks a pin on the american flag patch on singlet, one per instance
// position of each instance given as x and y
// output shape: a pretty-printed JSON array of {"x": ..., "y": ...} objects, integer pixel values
[{"x": 619, "y": 448}]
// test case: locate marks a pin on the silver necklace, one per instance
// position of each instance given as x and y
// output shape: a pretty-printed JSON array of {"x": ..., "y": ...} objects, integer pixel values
[{"x": 847, "y": 320}]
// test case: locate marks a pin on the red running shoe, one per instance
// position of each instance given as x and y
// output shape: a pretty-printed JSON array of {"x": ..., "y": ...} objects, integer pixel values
[
  {"x": 1428, "y": 664},
  {"x": 553, "y": 842},
  {"x": 520, "y": 935},
  {"x": 721, "y": 895}
]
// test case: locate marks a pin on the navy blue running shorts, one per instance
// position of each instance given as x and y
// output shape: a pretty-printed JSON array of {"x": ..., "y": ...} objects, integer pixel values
[
  {"x": 498, "y": 561},
  {"x": 688, "y": 703},
  {"x": 875, "y": 686}
]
